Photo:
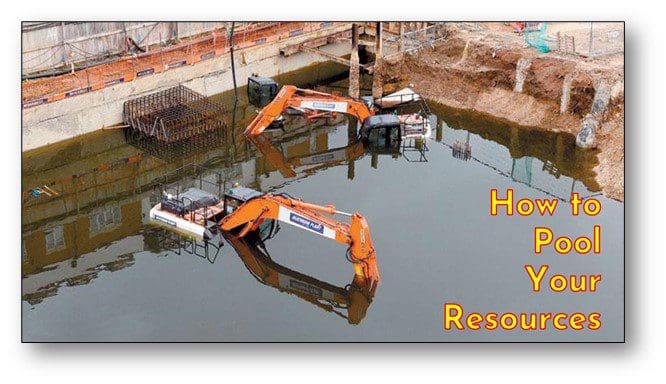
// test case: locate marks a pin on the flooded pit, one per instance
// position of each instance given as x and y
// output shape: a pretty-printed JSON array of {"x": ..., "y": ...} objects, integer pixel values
[{"x": 95, "y": 269}]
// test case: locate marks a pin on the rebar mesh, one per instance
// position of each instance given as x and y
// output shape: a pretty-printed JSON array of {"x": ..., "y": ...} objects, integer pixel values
[{"x": 174, "y": 115}]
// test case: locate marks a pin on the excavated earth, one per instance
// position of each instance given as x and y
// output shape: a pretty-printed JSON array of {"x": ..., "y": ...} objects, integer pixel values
[{"x": 477, "y": 71}]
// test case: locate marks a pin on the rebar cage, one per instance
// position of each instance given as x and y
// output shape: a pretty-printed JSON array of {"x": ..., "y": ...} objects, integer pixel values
[{"x": 173, "y": 115}]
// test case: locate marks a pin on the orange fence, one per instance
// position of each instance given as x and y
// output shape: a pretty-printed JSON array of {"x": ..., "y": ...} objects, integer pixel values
[{"x": 49, "y": 89}]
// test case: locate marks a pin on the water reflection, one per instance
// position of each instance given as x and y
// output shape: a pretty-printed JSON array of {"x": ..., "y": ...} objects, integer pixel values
[
  {"x": 159, "y": 239},
  {"x": 350, "y": 302},
  {"x": 88, "y": 226},
  {"x": 276, "y": 147},
  {"x": 548, "y": 162}
]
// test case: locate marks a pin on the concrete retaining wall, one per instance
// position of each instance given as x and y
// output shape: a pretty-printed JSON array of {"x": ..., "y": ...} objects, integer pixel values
[{"x": 67, "y": 118}]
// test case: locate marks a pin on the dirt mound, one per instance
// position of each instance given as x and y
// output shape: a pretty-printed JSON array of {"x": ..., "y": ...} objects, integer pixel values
[
  {"x": 545, "y": 78},
  {"x": 582, "y": 94},
  {"x": 479, "y": 73},
  {"x": 452, "y": 51},
  {"x": 394, "y": 75}
]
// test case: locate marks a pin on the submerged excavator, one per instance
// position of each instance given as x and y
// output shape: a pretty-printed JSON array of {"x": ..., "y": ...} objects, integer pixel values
[
  {"x": 383, "y": 130},
  {"x": 243, "y": 211},
  {"x": 381, "y": 114},
  {"x": 255, "y": 208}
]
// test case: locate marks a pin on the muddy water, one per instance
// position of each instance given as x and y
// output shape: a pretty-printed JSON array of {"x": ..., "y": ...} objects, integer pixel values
[{"x": 95, "y": 269}]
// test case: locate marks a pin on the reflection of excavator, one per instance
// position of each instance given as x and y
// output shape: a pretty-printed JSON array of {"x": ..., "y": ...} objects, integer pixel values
[
  {"x": 323, "y": 159},
  {"x": 314, "y": 104},
  {"x": 355, "y": 298},
  {"x": 375, "y": 145}
]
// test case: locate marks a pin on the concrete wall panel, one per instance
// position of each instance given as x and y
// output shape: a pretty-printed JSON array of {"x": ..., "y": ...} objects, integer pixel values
[{"x": 86, "y": 113}]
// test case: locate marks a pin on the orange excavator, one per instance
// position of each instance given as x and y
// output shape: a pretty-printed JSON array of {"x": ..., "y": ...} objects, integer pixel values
[
  {"x": 242, "y": 211},
  {"x": 355, "y": 298},
  {"x": 249, "y": 209},
  {"x": 290, "y": 96},
  {"x": 315, "y": 104}
]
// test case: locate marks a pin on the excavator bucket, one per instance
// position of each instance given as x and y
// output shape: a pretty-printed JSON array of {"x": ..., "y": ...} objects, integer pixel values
[{"x": 362, "y": 251}]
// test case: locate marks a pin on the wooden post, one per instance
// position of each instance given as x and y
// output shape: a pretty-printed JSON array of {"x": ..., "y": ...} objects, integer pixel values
[
  {"x": 354, "y": 68},
  {"x": 352, "y": 135},
  {"x": 591, "y": 50},
  {"x": 377, "y": 77},
  {"x": 401, "y": 40}
]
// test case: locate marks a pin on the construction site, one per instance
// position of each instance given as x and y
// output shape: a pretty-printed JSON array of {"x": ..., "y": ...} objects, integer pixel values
[{"x": 156, "y": 154}]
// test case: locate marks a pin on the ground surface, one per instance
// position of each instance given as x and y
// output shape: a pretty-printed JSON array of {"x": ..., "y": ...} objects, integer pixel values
[{"x": 475, "y": 67}]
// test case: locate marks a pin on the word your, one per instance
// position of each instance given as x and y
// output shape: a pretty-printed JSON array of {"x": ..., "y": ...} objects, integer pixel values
[{"x": 560, "y": 283}]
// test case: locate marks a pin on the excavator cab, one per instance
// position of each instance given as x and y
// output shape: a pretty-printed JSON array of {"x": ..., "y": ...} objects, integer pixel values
[
  {"x": 235, "y": 197},
  {"x": 261, "y": 90},
  {"x": 380, "y": 132}
]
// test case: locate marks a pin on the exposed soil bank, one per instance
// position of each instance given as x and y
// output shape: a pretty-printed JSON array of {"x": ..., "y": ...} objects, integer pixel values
[{"x": 494, "y": 74}]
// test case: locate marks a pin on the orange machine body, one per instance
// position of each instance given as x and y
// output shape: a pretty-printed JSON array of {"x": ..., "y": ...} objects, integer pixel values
[
  {"x": 249, "y": 216},
  {"x": 308, "y": 100}
]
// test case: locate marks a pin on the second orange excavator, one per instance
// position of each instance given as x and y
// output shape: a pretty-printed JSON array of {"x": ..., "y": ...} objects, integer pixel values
[
  {"x": 241, "y": 211},
  {"x": 314, "y": 103},
  {"x": 256, "y": 208}
]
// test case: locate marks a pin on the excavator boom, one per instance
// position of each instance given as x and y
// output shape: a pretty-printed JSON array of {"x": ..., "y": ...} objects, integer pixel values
[
  {"x": 307, "y": 216},
  {"x": 305, "y": 99}
]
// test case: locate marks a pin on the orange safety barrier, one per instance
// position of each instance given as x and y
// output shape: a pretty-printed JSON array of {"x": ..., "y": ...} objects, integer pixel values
[{"x": 40, "y": 91}]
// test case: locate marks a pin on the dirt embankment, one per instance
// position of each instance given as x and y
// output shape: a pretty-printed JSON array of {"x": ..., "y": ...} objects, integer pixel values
[{"x": 477, "y": 71}]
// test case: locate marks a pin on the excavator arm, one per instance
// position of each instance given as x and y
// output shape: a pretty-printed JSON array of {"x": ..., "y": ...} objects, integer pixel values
[
  {"x": 356, "y": 234},
  {"x": 305, "y": 99}
]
